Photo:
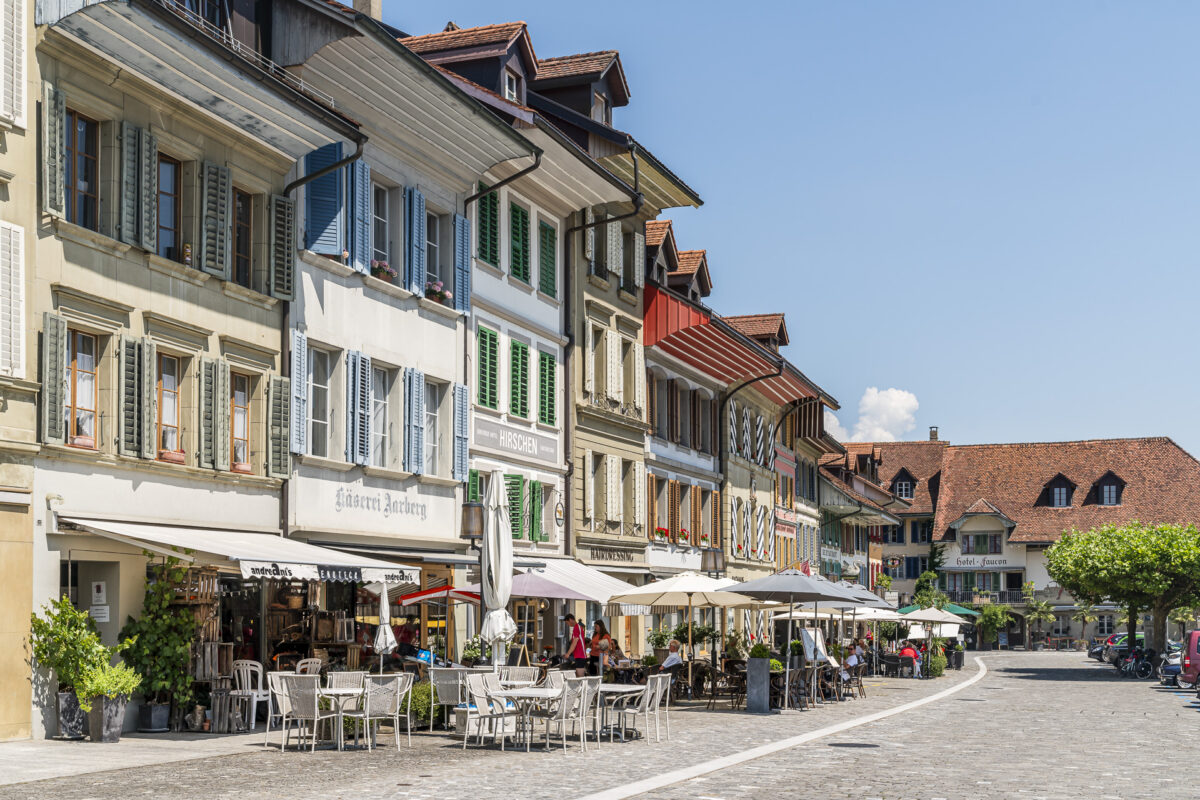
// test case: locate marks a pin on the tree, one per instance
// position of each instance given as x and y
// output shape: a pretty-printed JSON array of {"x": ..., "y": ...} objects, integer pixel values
[
  {"x": 927, "y": 594},
  {"x": 1085, "y": 614},
  {"x": 1184, "y": 617},
  {"x": 1036, "y": 611},
  {"x": 992, "y": 617},
  {"x": 1154, "y": 567},
  {"x": 937, "y": 557}
]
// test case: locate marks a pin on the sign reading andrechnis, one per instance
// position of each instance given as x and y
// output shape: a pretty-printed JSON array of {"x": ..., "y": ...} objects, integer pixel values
[{"x": 322, "y": 572}]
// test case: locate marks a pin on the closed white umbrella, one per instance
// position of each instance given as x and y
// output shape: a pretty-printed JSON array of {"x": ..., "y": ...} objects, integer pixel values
[
  {"x": 498, "y": 626},
  {"x": 385, "y": 640}
]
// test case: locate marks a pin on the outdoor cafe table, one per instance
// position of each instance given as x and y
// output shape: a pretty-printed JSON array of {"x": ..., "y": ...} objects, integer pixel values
[
  {"x": 339, "y": 697},
  {"x": 611, "y": 693},
  {"x": 526, "y": 700}
]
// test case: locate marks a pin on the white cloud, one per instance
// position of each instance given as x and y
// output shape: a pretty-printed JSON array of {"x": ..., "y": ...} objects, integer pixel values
[{"x": 883, "y": 416}]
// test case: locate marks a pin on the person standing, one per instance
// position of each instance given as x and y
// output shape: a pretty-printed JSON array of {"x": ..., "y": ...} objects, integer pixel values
[
  {"x": 595, "y": 652},
  {"x": 576, "y": 648}
]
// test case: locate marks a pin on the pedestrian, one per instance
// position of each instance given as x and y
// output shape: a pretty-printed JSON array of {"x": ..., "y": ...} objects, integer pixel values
[
  {"x": 576, "y": 649},
  {"x": 599, "y": 637}
]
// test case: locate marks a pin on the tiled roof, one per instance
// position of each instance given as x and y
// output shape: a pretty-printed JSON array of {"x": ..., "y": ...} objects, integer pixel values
[
  {"x": 656, "y": 231},
  {"x": 497, "y": 100},
  {"x": 1162, "y": 484},
  {"x": 689, "y": 262},
  {"x": 579, "y": 64},
  {"x": 755, "y": 325},
  {"x": 922, "y": 461},
  {"x": 982, "y": 506},
  {"x": 851, "y": 492},
  {"x": 501, "y": 33}
]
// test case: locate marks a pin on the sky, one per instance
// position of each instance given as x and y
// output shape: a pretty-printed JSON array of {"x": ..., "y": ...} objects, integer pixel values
[{"x": 984, "y": 217}]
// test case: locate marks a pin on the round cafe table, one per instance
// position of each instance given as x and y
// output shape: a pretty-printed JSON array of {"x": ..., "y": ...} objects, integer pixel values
[{"x": 338, "y": 698}]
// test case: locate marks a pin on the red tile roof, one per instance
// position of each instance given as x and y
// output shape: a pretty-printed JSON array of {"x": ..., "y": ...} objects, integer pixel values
[
  {"x": 756, "y": 325},
  {"x": 1162, "y": 484},
  {"x": 689, "y": 262},
  {"x": 982, "y": 506},
  {"x": 501, "y": 33},
  {"x": 842, "y": 486},
  {"x": 656, "y": 231},
  {"x": 922, "y": 461},
  {"x": 576, "y": 65}
]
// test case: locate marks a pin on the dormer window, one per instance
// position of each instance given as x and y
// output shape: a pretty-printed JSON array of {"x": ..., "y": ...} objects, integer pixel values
[
  {"x": 1060, "y": 497},
  {"x": 601, "y": 110},
  {"x": 904, "y": 490},
  {"x": 1109, "y": 494},
  {"x": 512, "y": 86},
  {"x": 1109, "y": 489},
  {"x": 1058, "y": 492}
]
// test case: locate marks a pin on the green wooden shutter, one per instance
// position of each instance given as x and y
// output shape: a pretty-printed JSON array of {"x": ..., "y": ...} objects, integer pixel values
[
  {"x": 215, "y": 195},
  {"x": 55, "y": 351},
  {"x": 474, "y": 493},
  {"x": 129, "y": 397},
  {"x": 489, "y": 368},
  {"x": 279, "y": 461},
  {"x": 547, "y": 259},
  {"x": 54, "y": 151},
  {"x": 148, "y": 399},
  {"x": 547, "y": 394},
  {"x": 148, "y": 187},
  {"x": 487, "y": 210},
  {"x": 127, "y": 225},
  {"x": 283, "y": 247},
  {"x": 518, "y": 219},
  {"x": 515, "y": 486},
  {"x": 536, "y": 534},
  {"x": 208, "y": 410},
  {"x": 518, "y": 380},
  {"x": 221, "y": 412}
]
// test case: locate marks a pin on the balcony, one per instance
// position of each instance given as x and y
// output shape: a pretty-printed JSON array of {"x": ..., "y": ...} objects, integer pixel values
[{"x": 1009, "y": 596}]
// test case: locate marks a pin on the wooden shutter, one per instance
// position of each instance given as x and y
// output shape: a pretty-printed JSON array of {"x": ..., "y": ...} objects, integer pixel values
[
  {"x": 697, "y": 423},
  {"x": 489, "y": 368},
  {"x": 639, "y": 260},
  {"x": 461, "y": 436},
  {"x": 221, "y": 414},
  {"x": 54, "y": 151},
  {"x": 589, "y": 359},
  {"x": 363, "y": 399},
  {"x": 216, "y": 196},
  {"x": 129, "y": 398},
  {"x": 673, "y": 510},
  {"x": 487, "y": 210},
  {"x": 547, "y": 389},
  {"x": 746, "y": 514},
  {"x": 360, "y": 217},
  {"x": 715, "y": 502},
  {"x": 547, "y": 259},
  {"x": 148, "y": 187},
  {"x": 131, "y": 186},
  {"x": 148, "y": 400},
  {"x": 12, "y": 68},
  {"x": 589, "y": 486},
  {"x": 283, "y": 248},
  {"x": 639, "y": 377},
  {"x": 614, "y": 254},
  {"x": 612, "y": 344},
  {"x": 209, "y": 408},
  {"x": 759, "y": 444},
  {"x": 612, "y": 504},
  {"x": 299, "y": 390},
  {"x": 414, "y": 234},
  {"x": 474, "y": 495},
  {"x": 414, "y": 425},
  {"x": 515, "y": 488},
  {"x": 12, "y": 299},
  {"x": 518, "y": 242},
  {"x": 279, "y": 462},
  {"x": 462, "y": 263},
  {"x": 589, "y": 239},
  {"x": 324, "y": 203},
  {"x": 518, "y": 379},
  {"x": 55, "y": 352},
  {"x": 652, "y": 400},
  {"x": 747, "y": 452},
  {"x": 733, "y": 437},
  {"x": 351, "y": 406},
  {"x": 651, "y": 504},
  {"x": 639, "y": 494},
  {"x": 535, "y": 511},
  {"x": 697, "y": 513}
]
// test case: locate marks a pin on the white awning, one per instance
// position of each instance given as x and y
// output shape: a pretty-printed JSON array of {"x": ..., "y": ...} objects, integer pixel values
[
  {"x": 254, "y": 555},
  {"x": 591, "y": 582}
]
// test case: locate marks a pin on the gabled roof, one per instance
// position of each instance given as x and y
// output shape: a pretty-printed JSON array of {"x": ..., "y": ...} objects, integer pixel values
[
  {"x": 923, "y": 463},
  {"x": 569, "y": 70},
  {"x": 693, "y": 265},
  {"x": 760, "y": 325},
  {"x": 455, "y": 38},
  {"x": 657, "y": 231},
  {"x": 982, "y": 506}
]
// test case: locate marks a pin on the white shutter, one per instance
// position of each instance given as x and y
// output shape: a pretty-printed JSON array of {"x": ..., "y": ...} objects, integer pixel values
[
  {"x": 12, "y": 300},
  {"x": 639, "y": 376},
  {"x": 12, "y": 61},
  {"x": 612, "y": 505},
  {"x": 299, "y": 417},
  {"x": 746, "y": 509},
  {"x": 612, "y": 346},
  {"x": 589, "y": 239},
  {"x": 615, "y": 255},
  {"x": 761, "y": 544},
  {"x": 589, "y": 487},
  {"x": 771, "y": 536},
  {"x": 733, "y": 437},
  {"x": 589, "y": 365},
  {"x": 759, "y": 454},
  {"x": 639, "y": 260},
  {"x": 639, "y": 495},
  {"x": 747, "y": 453}
]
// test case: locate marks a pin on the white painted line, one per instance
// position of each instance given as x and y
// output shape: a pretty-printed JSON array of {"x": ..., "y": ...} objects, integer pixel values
[{"x": 696, "y": 770}]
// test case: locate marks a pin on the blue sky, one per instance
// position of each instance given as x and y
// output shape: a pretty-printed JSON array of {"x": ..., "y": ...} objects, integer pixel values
[{"x": 993, "y": 207}]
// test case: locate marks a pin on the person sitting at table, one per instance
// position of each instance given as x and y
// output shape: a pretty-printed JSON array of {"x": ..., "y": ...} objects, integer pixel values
[
  {"x": 673, "y": 661},
  {"x": 406, "y": 636},
  {"x": 852, "y": 660},
  {"x": 908, "y": 651}
]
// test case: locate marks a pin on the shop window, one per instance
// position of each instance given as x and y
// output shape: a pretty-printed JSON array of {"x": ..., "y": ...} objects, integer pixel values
[{"x": 80, "y": 412}]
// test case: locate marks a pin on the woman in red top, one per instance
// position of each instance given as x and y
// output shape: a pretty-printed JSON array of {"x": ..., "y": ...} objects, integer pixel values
[
  {"x": 576, "y": 649},
  {"x": 596, "y": 653}
]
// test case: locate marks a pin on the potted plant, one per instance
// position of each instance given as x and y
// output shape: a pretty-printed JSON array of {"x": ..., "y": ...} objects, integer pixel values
[
  {"x": 471, "y": 651},
  {"x": 796, "y": 653},
  {"x": 64, "y": 640},
  {"x": 704, "y": 539},
  {"x": 959, "y": 655},
  {"x": 661, "y": 534},
  {"x": 383, "y": 271},
  {"x": 436, "y": 290},
  {"x": 650, "y": 661},
  {"x": 658, "y": 638},
  {"x": 735, "y": 645},
  {"x": 103, "y": 693},
  {"x": 758, "y": 679},
  {"x": 159, "y": 647},
  {"x": 684, "y": 535}
]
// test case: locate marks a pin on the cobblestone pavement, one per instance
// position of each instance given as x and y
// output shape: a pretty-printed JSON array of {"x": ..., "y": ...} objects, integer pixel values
[{"x": 1038, "y": 725}]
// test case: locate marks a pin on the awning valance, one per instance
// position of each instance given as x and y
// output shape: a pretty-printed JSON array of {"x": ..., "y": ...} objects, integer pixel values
[{"x": 254, "y": 555}]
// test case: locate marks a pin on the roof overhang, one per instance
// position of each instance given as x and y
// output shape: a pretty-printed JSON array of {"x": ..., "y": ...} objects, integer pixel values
[
  {"x": 661, "y": 187},
  {"x": 958, "y": 523},
  {"x": 847, "y": 508}
]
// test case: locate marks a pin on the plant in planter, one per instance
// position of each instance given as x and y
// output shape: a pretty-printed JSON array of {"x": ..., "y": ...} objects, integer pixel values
[
  {"x": 64, "y": 640},
  {"x": 684, "y": 535},
  {"x": 661, "y": 534},
  {"x": 383, "y": 271},
  {"x": 436, "y": 290},
  {"x": 658, "y": 638},
  {"x": 992, "y": 617},
  {"x": 776, "y": 665},
  {"x": 103, "y": 692},
  {"x": 471, "y": 651},
  {"x": 735, "y": 644},
  {"x": 159, "y": 646},
  {"x": 758, "y": 679},
  {"x": 704, "y": 539},
  {"x": 649, "y": 661}
]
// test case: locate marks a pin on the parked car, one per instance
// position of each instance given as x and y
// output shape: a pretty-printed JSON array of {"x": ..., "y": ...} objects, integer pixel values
[
  {"x": 1189, "y": 667},
  {"x": 1119, "y": 649},
  {"x": 1096, "y": 651}
]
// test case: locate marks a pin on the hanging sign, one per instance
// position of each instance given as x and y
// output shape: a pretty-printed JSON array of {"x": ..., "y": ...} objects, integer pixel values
[{"x": 393, "y": 575}]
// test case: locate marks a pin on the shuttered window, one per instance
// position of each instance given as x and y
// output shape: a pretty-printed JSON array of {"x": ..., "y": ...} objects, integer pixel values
[
  {"x": 82, "y": 170},
  {"x": 547, "y": 259},
  {"x": 279, "y": 461},
  {"x": 487, "y": 210},
  {"x": 239, "y": 422},
  {"x": 12, "y": 300},
  {"x": 474, "y": 487},
  {"x": 518, "y": 380},
  {"x": 547, "y": 393},
  {"x": 170, "y": 211},
  {"x": 518, "y": 249},
  {"x": 319, "y": 374},
  {"x": 216, "y": 187},
  {"x": 514, "y": 486},
  {"x": 462, "y": 263},
  {"x": 489, "y": 368},
  {"x": 243, "y": 233},
  {"x": 12, "y": 61},
  {"x": 461, "y": 433},
  {"x": 81, "y": 390},
  {"x": 169, "y": 439},
  {"x": 536, "y": 510},
  {"x": 324, "y": 203}
]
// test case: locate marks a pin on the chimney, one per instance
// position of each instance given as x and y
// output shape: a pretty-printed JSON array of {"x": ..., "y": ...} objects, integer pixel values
[
  {"x": 933, "y": 433},
  {"x": 372, "y": 8}
]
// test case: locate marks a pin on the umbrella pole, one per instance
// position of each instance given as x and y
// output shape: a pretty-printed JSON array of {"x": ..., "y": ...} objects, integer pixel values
[
  {"x": 691, "y": 649},
  {"x": 787, "y": 656}
]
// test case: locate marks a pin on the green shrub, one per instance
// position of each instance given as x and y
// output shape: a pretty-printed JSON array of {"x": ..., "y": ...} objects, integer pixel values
[
  {"x": 937, "y": 665},
  {"x": 159, "y": 642},
  {"x": 424, "y": 696},
  {"x": 760, "y": 650},
  {"x": 649, "y": 661},
  {"x": 797, "y": 647},
  {"x": 106, "y": 681},
  {"x": 65, "y": 641},
  {"x": 776, "y": 665}
]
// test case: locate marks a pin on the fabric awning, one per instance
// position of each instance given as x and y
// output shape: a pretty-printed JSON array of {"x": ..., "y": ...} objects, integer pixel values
[
  {"x": 254, "y": 555},
  {"x": 592, "y": 583},
  {"x": 426, "y": 556},
  {"x": 440, "y": 593}
]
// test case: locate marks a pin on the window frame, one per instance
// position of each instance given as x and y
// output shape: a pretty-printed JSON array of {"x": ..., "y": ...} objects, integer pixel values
[
  {"x": 433, "y": 449},
  {"x": 1057, "y": 492},
  {"x": 1105, "y": 489},
  {"x": 242, "y": 266},
  {"x": 176, "y": 199},
  {"x": 234, "y": 464},
  {"x": 384, "y": 219},
  {"x": 381, "y": 440},
  {"x": 311, "y": 387},
  {"x": 904, "y": 490},
  {"x": 177, "y": 455},
  {"x": 433, "y": 247},
  {"x": 71, "y": 436},
  {"x": 489, "y": 383},
  {"x": 512, "y": 86},
  {"x": 71, "y": 182}
]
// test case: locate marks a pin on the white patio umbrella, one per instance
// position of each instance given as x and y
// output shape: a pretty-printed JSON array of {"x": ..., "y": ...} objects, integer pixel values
[
  {"x": 497, "y": 557},
  {"x": 385, "y": 639},
  {"x": 933, "y": 617},
  {"x": 686, "y": 589}
]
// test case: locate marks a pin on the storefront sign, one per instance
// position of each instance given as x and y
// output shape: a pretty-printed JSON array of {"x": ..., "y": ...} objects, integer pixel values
[
  {"x": 599, "y": 553},
  {"x": 672, "y": 556},
  {"x": 560, "y": 515},
  {"x": 280, "y": 572},
  {"x": 830, "y": 553},
  {"x": 514, "y": 441},
  {"x": 99, "y": 613},
  {"x": 313, "y": 572},
  {"x": 385, "y": 504},
  {"x": 969, "y": 563}
]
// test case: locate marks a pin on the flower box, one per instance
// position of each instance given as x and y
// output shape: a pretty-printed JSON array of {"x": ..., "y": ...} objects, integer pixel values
[{"x": 437, "y": 291}]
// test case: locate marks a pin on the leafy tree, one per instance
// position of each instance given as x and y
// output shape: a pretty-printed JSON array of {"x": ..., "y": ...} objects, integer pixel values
[
  {"x": 1184, "y": 617},
  {"x": 1085, "y": 614},
  {"x": 884, "y": 581},
  {"x": 65, "y": 641},
  {"x": 927, "y": 594},
  {"x": 937, "y": 557},
  {"x": 1155, "y": 567},
  {"x": 992, "y": 617}
]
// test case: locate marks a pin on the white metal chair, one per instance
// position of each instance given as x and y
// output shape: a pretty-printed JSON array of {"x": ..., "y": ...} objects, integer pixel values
[
  {"x": 529, "y": 674},
  {"x": 485, "y": 711},
  {"x": 566, "y": 711},
  {"x": 387, "y": 697},
  {"x": 309, "y": 666},
  {"x": 447, "y": 689},
  {"x": 248, "y": 684},
  {"x": 635, "y": 705},
  {"x": 555, "y": 679},
  {"x": 305, "y": 699},
  {"x": 344, "y": 680},
  {"x": 663, "y": 702},
  {"x": 279, "y": 706}
]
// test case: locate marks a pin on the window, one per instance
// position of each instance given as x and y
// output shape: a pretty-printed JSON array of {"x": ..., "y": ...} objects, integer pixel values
[
  {"x": 319, "y": 368},
  {"x": 487, "y": 213},
  {"x": 629, "y": 372},
  {"x": 547, "y": 394},
  {"x": 243, "y": 233},
  {"x": 685, "y": 418},
  {"x": 600, "y": 247},
  {"x": 80, "y": 412},
  {"x": 169, "y": 211},
  {"x": 1109, "y": 494},
  {"x": 518, "y": 380},
  {"x": 547, "y": 259},
  {"x": 599, "y": 364},
  {"x": 381, "y": 387},
  {"x": 433, "y": 401},
  {"x": 477, "y": 483},
  {"x": 1059, "y": 497},
  {"x": 433, "y": 248},
  {"x": 921, "y": 531},
  {"x": 704, "y": 425},
  {"x": 1105, "y": 625},
  {"x": 904, "y": 490},
  {"x": 518, "y": 243},
  {"x": 512, "y": 86},
  {"x": 82, "y": 170},
  {"x": 380, "y": 232},
  {"x": 661, "y": 409},
  {"x": 489, "y": 368},
  {"x": 784, "y": 490},
  {"x": 239, "y": 422},
  {"x": 170, "y": 447},
  {"x": 895, "y": 534},
  {"x": 601, "y": 111},
  {"x": 994, "y": 543},
  {"x": 628, "y": 263}
]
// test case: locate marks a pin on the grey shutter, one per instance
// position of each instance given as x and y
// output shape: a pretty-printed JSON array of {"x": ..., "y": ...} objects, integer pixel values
[
  {"x": 129, "y": 397},
  {"x": 363, "y": 397},
  {"x": 462, "y": 263},
  {"x": 414, "y": 421},
  {"x": 283, "y": 247},
  {"x": 299, "y": 396},
  {"x": 221, "y": 410},
  {"x": 54, "y": 152},
  {"x": 54, "y": 377},
  {"x": 131, "y": 165},
  {"x": 615, "y": 250},
  {"x": 589, "y": 239},
  {"x": 148, "y": 399},
  {"x": 214, "y": 220},
  {"x": 208, "y": 422},
  {"x": 148, "y": 188},
  {"x": 352, "y": 357},
  {"x": 460, "y": 432},
  {"x": 12, "y": 82},
  {"x": 279, "y": 463},
  {"x": 414, "y": 230},
  {"x": 639, "y": 260}
]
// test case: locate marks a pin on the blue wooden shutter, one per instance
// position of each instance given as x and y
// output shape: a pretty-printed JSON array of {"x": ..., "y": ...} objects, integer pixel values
[
  {"x": 460, "y": 432},
  {"x": 462, "y": 263},
  {"x": 360, "y": 216},
  {"x": 352, "y": 357},
  {"x": 324, "y": 203},
  {"x": 912, "y": 565},
  {"x": 299, "y": 387},
  {"x": 414, "y": 234},
  {"x": 414, "y": 422}
]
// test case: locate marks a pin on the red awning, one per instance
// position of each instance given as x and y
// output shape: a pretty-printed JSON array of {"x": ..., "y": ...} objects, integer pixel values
[
  {"x": 439, "y": 593},
  {"x": 699, "y": 339}
]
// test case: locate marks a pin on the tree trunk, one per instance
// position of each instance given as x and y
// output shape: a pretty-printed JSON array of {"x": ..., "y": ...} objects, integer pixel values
[
  {"x": 1133, "y": 612},
  {"x": 1159, "y": 621}
]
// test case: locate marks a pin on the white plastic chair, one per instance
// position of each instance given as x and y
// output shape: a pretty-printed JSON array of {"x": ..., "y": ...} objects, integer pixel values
[
  {"x": 344, "y": 680},
  {"x": 635, "y": 705},
  {"x": 248, "y": 683},
  {"x": 309, "y": 666},
  {"x": 279, "y": 704}
]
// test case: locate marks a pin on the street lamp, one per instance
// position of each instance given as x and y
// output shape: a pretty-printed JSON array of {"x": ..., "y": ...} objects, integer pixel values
[{"x": 712, "y": 561}]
